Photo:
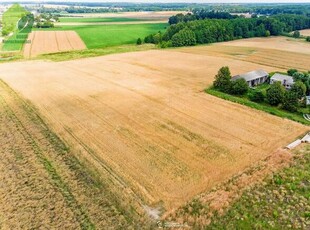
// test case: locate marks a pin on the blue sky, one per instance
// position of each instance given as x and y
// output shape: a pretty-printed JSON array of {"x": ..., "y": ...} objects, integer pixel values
[{"x": 189, "y": 1}]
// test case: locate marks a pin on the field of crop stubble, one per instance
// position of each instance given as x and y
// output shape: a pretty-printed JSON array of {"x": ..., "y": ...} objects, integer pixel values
[{"x": 148, "y": 123}]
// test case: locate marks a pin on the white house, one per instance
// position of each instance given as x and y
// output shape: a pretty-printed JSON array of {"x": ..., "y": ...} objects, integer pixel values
[{"x": 286, "y": 81}]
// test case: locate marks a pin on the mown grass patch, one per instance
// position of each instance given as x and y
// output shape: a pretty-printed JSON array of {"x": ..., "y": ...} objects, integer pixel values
[{"x": 298, "y": 116}]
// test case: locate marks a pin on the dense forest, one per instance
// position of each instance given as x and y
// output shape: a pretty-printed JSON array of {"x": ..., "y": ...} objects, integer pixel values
[{"x": 202, "y": 31}]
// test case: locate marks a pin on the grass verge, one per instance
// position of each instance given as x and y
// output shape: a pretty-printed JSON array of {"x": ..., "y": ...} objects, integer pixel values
[
  {"x": 298, "y": 117},
  {"x": 71, "y": 55},
  {"x": 280, "y": 202}
]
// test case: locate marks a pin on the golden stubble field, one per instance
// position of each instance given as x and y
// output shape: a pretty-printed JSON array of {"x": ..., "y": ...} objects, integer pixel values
[
  {"x": 305, "y": 32},
  {"x": 52, "y": 42},
  {"x": 144, "y": 119}
]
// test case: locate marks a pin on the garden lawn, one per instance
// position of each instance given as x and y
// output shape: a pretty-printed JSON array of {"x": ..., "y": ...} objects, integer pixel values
[{"x": 100, "y": 36}]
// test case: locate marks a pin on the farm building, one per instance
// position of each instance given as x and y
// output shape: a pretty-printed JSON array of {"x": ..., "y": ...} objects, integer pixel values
[
  {"x": 286, "y": 81},
  {"x": 253, "y": 78}
]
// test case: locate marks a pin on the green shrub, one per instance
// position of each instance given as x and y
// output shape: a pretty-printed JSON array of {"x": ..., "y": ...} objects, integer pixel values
[
  {"x": 239, "y": 87},
  {"x": 291, "y": 72},
  {"x": 290, "y": 101},
  {"x": 222, "y": 80},
  {"x": 296, "y": 34},
  {"x": 139, "y": 41},
  {"x": 165, "y": 44},
  {"x": 275, "y": 93},
  {"x": 257, "y": 96},
  {"x": 299, "y": 89}
]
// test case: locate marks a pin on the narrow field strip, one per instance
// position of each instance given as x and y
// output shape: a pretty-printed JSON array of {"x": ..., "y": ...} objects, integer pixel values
[{"x": 42, "y": 42}]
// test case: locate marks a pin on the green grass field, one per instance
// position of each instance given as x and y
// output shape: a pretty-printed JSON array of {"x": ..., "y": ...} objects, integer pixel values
[
  {"x": 94, "y": 20},
  {"x": 10, "y": 21},
  {"x": 11, "y": 17},
  {"x": 100, "y": 36}
]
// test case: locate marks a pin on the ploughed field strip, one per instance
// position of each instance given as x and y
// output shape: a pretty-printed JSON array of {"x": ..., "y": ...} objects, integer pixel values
[
  {"x": 42, "y": 184},
  {"x": 144, "y": 118},
  {"x": 41, "y": 42}
]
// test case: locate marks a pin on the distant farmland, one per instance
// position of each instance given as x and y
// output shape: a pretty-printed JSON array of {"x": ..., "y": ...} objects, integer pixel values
[
  {"x": 100, "y": 36},
  {"x": 90, "y": 20}
]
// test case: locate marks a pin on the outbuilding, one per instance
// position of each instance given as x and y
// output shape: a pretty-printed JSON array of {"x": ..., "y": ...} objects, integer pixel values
[
  {"x": 253, "y": 78},
  {"x": 286, "y": 81}
]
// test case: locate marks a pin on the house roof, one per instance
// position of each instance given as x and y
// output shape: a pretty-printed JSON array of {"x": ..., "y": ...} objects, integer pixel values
[
  {"x": 282, "y": 77},
  {"x": 251, "y": 75}
]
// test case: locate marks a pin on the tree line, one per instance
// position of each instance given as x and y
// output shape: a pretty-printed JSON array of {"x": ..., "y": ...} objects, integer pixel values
[
  {"x": 218, "y": 30},
  {"x": 200, "y": 14}
]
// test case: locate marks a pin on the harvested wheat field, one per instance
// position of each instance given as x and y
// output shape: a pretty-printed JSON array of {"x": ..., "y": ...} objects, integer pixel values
[
  {"x": 43, "y": 185},
  {"x": 305, "y": 32},
  {"x": 42, "y": 42},
  {"x": 277, "y": 43},
  {"x": 143, "y": 119},
  {"x": 276, "y": 52}
]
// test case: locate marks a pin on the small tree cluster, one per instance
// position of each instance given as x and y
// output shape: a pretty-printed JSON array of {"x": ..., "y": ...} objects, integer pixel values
[
  {"x": 222, "y": 80},
  {"x": 239, "y": 87},
  {"x": 296, "y": 34},
  {"x": 139, "y": 41},
  {"x": 257, "y": 96},
  {"x": 304, "y": 77},
  {"x": 290, "y": 99},
  {"x": 224, "y": 83},
  {"x": 275, "y": 94},
  {"x": 154, "y": 38}
]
